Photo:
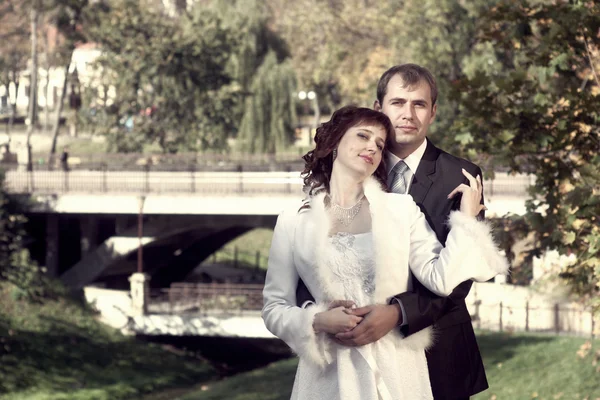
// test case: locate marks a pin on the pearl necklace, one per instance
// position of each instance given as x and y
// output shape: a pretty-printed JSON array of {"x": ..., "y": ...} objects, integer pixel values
[{"x": 345, "y": 216}]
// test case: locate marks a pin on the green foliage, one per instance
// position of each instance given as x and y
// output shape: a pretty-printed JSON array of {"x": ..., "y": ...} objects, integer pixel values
[
  {"x": 11, "y": 232},
  {"x": 267, "y": 114},
  {"x": 267, "y": 124},
  {"x": 169, "y": 77},
  {"x": 16, "y": 266},
  {"x": 536, "y": 108},
  {"x": 57, "y": 350},
  {"x": 339, "y": 49},
  {"x": 67, "y": 16},
  {"x": 439, "y": 34}
]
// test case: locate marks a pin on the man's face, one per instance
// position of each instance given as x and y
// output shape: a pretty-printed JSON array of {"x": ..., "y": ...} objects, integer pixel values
[{"x": 410, "y": 110}]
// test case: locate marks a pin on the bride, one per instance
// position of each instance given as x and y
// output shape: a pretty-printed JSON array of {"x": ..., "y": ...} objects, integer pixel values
[{"x": 353, "y": 240}]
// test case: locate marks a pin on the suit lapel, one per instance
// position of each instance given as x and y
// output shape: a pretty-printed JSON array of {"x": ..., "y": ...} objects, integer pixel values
[{"x": 422, "y": 179}]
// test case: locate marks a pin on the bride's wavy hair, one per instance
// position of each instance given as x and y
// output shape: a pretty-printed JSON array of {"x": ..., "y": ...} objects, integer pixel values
[{"x": 319, "y": 161}]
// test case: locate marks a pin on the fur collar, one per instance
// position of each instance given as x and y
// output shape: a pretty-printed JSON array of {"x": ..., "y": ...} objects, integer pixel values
[{"x": 392, "y": 272}]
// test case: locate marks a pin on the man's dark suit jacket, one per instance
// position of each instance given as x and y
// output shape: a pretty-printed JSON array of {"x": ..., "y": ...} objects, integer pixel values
[{"x": 455, "y": 365}]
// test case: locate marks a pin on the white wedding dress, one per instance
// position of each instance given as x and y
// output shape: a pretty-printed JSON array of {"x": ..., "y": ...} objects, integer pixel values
[{"x": 377, "y": 371}]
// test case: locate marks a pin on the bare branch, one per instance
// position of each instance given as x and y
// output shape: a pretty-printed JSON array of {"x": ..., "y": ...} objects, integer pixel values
[{"x": 589, "y": 56}]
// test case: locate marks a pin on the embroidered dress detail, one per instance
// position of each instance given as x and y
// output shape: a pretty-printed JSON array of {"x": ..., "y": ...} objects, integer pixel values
[{"x": 353, "y": 264}]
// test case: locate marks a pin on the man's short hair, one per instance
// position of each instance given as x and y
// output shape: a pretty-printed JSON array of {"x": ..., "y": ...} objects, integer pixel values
[{"x": 411, "y": 74}]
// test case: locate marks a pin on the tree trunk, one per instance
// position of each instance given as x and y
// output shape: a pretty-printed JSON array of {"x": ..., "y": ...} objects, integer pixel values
[
  {"x": 7, "y": 128},
  {"x": 34, "y": 15},
  {"x": 13, "y": 106},
  {"x": 317, "y": 119},
  {"x": 58, "y": 111},
  {"x": 47, "y": 84}
]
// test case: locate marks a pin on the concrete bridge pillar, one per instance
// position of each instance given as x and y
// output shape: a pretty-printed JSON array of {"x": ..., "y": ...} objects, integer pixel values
[
  {"x": 122, "y": 224},
  {"x": 140, "y": 293},
  {"x": 89, "y": 234},
  {"x": 52, "y": 245}
]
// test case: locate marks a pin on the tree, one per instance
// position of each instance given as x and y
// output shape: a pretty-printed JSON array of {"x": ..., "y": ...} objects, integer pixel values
[
  {"x": 267, "y": 124},
  {"x": 531, "y": 99},
  {"x": 14, "y": 50},
  {"x": 15, "y": 265},
  {"x": 440, "y": 35},
  {"x": 169, "y": 76},
  {"x": 34, "y": 15},
  {"x": 11, "y": 226},
  {"x": 68, "y": 18},
  {"x": 265, "y": 116},
  {"x": 339, "y": 48}
]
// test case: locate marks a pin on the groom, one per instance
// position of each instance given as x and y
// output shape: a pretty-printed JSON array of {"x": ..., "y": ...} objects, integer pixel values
[{"x": 407, "y": 94}]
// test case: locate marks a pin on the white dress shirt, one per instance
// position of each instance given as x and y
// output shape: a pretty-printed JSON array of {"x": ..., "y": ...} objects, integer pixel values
[{"x": 412, "y": 161}]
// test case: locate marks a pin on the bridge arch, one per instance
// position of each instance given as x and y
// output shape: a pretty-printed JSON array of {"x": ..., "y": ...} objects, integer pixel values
[{"x": 172, "y": 248}]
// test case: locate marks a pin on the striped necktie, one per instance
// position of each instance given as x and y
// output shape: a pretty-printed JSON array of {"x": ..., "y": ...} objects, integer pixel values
[{"x": 398, "y": 183}]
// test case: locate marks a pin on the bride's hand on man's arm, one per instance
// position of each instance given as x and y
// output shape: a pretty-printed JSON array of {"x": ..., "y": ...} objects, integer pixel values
[
  {"x": 470, "y": 202},
  {"x": 335, "y": 320}
]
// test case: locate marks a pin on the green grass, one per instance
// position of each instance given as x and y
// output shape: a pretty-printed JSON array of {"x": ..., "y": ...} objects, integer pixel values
[
  {"x": 273, "y": 382},
  {"x": 59, "y": 351},
  {"x": 518, "y": 366},
  {"x": 537, "y": 367},
  {"x": 80, "y": 147}
]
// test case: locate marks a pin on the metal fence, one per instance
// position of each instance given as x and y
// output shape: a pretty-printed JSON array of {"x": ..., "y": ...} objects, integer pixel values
[
  {"x": 202, "y": 298},
  {"x": 239, "y": 259},
  {"x": 557, "y": 319},
  {"x": 149, "y": 181}
]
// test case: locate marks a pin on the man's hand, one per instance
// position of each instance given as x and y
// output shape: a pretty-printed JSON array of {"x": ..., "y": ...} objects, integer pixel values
[
  {"x": 378, "y": 321},
  {"x": 470, "y": 202}
]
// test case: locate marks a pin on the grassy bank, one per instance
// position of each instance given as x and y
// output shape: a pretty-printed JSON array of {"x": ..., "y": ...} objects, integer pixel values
[
  {"x": 59, "y": 351},
  {"x": 538, "y": 367},
  {"x": 518, "y": 367},
  {"x": 248, "y": 244}
]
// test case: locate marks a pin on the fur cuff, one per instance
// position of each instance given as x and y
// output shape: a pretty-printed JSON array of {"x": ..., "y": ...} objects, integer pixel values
[
  {"x": 418, "y": 341},
  {"x": 317, "y": 348},
  {"x": 485, "y": 256}
]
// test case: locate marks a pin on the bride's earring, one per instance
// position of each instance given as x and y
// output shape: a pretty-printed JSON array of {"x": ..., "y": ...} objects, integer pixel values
[{"x": 334, "y": 155}]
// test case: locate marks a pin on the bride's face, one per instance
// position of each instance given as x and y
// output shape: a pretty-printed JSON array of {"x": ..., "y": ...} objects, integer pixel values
[{"x": 361, "y": 149}]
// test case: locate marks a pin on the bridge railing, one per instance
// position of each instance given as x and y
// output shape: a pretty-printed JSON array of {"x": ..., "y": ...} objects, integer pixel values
[
  {"x": 157, "y": 182},
  {"x": 152, "y": 182},
  {"x": 202, "y": 298},
  {"x": 229, "y": 161}
]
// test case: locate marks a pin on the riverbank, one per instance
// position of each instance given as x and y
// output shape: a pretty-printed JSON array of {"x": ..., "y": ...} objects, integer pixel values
[{"x": 57, "y": 350}]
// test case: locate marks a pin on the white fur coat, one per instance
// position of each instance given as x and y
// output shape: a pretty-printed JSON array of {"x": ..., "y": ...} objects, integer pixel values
[{"x": 404, "y": 244}]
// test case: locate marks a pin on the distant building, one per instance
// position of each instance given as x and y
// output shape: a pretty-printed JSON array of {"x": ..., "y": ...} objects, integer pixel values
[{"x": 50, "y": 81}]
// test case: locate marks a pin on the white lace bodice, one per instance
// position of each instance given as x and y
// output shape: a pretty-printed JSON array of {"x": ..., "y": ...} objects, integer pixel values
[{"x": 353, "y": 263}]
